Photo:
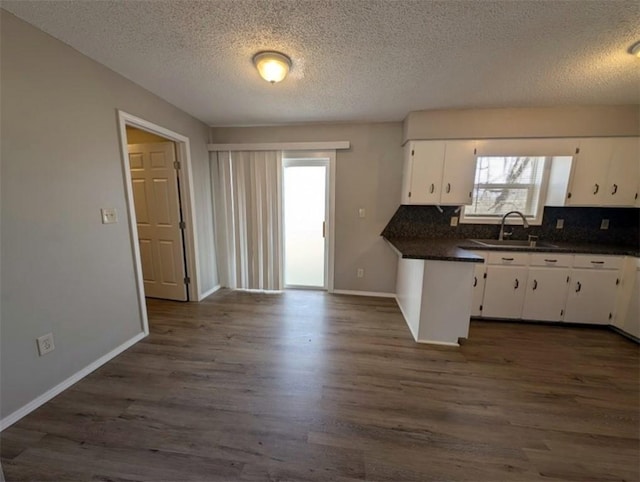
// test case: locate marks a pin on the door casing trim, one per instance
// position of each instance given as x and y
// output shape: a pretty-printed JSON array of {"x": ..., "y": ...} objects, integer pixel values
[{"x": 183, "y": 156}]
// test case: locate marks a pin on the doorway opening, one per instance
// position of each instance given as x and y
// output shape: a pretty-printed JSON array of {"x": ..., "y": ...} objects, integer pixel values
[
  {"x": 158, "y": 182},
  {"x": 307, "y": 223}
]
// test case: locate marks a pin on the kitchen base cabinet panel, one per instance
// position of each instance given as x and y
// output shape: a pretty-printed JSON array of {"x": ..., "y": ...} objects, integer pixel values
[
  {"x": 546, "y": 294},
  {"x": 504, "y": 291},
  {"x": 592, "y": 296}
]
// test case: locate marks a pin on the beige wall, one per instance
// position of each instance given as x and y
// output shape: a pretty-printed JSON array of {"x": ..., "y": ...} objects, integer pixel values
[
  {"x": 138, "y": 136},
  {"x": 569, "y": 121},
  {"x": 368, "y": 176},
  {"x": 62, "y": 270}
]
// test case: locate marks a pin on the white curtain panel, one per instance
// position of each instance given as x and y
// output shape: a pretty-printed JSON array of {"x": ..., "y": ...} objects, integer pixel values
[{"x": 248, "y": 206}]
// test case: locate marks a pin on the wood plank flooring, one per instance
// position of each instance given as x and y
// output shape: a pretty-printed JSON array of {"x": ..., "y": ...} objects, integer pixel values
[{"x": 309, "y": 386}]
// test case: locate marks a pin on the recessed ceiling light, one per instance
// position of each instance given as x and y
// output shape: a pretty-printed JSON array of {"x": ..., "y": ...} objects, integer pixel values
[
  {"x": 272, "y": 66},
  {"x": 635, "y": 49}
]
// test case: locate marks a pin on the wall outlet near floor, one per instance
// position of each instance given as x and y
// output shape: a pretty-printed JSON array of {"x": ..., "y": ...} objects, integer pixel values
[
  {"x": 360, "y": 273},
  {"x": 45, "y": 344},
  {"x": 604, "y": 224},
  {"x": 454, "y": 220},
  {"x": 560, "y": 224},
  {"x": 361, "y": 213}
]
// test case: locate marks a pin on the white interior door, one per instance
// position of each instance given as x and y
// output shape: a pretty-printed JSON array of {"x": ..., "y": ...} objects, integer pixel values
[
  {"x": 157, "y": 204},
  {"x": 305, "y": 203}
]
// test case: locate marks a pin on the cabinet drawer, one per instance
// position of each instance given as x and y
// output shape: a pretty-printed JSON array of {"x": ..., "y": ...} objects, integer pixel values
[
  {"x": 597, "y": 261},
  {"x": 508, "y": 258},
  {"x": 551, "y": 260}
]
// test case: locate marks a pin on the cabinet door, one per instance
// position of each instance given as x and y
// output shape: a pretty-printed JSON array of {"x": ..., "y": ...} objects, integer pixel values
[
  {"x": 406, "y": 174},
  {"x": 426, "y": 171},
  {"x": 592, "y": 296},
  {"x": 478, "y": 289},
  {"x": 622, "y": 183},
  {"x": 504, "y": 291},
  {"x": 590, "y": 169},
  {"x": 459, "y": 173},
  {"x": 546, "y": 294}
]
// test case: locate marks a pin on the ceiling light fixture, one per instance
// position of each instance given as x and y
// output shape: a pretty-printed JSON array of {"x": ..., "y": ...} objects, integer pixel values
[
  {"x": 272, "y": 66},
  {"x": 635, "y": 49}
]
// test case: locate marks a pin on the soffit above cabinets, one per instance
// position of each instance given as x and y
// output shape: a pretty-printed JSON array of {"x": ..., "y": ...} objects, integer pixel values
[{"x": 373, "y": 60}]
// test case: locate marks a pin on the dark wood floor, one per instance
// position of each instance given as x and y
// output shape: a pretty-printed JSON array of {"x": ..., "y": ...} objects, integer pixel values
[{"x": 312, "y": 386}]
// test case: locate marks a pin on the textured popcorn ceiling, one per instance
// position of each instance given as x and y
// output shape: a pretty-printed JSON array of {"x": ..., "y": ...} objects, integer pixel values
[{"x": 369, "y": 60}]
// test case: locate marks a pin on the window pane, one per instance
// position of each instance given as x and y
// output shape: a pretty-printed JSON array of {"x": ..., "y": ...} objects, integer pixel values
[
  {"x": 506, "y": 183},
  {"x": 497, "y": 201}
]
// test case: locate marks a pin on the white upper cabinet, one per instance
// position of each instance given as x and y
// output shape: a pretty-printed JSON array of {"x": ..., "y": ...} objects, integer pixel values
[
  {"x": 459, "y": 172},
  {"x": 622, "y": 181},
  {"x": 603, "y": 172},
  {"x": 438, "y": 172}
]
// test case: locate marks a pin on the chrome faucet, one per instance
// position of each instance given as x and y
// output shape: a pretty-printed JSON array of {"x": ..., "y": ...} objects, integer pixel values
[{"x": 502, "y": 233}]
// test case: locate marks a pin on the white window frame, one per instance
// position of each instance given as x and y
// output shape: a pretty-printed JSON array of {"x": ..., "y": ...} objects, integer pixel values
[{"x": 497, "y": 219}]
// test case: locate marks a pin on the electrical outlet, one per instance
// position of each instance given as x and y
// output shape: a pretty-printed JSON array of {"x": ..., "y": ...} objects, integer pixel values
[
  {"x": 604, "y": 224},
  {"x": 109, "y": 215},
  {"x": 361, "y": 213},
  {"x": 560, "y": 224},
  {"x": 360, "y": 273},
  {"x": 454, "y": 220},
  {"x": 45, "y": 344}
]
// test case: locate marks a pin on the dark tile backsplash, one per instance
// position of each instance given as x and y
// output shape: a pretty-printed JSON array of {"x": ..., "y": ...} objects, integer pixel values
[{"x": 580, "y": 225}]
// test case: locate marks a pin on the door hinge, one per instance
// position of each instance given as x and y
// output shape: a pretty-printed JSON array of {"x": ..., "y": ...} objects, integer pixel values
[
  {"x": 636, "y": 196},
  {"x": 475, "y": 151},
  {"x": 480, "y": 307},
  {"x": 182, "y": 225},
  {"x": 176, "y": 165},
  {"x": 569, "y": 196},
  {"x": 187, "y": 280},
  {"x": 577, "y": 150},
  {"x": 567, "y": 279},
  {"x": 617, "y": 281},
  {"x": 409, "y": 194},
  {"x": 412, "y": 152},
  {"x": 610, "y": 315},
  {"x": 561, "y": 312}
]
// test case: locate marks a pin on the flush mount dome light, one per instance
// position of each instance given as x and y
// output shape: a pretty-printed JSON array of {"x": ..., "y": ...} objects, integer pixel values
[
  {"x": 635, "y": 49},
  {"x": 272, "y": 66}
]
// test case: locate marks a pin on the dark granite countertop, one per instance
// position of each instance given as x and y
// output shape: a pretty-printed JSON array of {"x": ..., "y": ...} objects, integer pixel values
[
  {"x": 440, "y": 249},
  {"x": 451, "y": 249}
]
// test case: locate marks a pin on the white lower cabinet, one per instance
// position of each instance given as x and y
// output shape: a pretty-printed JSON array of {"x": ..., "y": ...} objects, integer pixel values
[
  {"x": 504, "y": 291},
  {"x": 592, "y": 296},
  {"x": 477, "y": 294},
  {"x": 546, "y": 294}
]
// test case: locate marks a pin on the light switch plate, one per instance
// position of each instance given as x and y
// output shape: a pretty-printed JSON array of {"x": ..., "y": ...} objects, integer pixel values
[{"x": 109, "y": 215}]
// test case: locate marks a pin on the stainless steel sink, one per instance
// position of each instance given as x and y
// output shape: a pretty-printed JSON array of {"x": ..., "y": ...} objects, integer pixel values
[{"x": 515, "y": 243}]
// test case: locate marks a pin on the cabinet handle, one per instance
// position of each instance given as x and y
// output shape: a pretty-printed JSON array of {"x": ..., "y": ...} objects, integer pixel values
[
  {"x": 578, "y": 287},
  {"x": 507, "y": 259},
  {"x": 432, "y": 188},
  {"x": 597, "y": 188},
  {"x": 597, "y": 262},
  {"x": 517, "y": 284},
  {"x": 615, "y": 189},
  {"x": 535, "y": 284},
  {"x": 550, "y": 260},
  {"x": 449, "y": 188},
  {"x": 475, "y": 281}
]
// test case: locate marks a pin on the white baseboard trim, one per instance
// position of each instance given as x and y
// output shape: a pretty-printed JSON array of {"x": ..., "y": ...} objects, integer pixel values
[
  {"x": 443, "y": 343},
  {"x": 209, "y": 292},
  {"x": 374, "y": 294},
  {"x": 60, "y": 387}
]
